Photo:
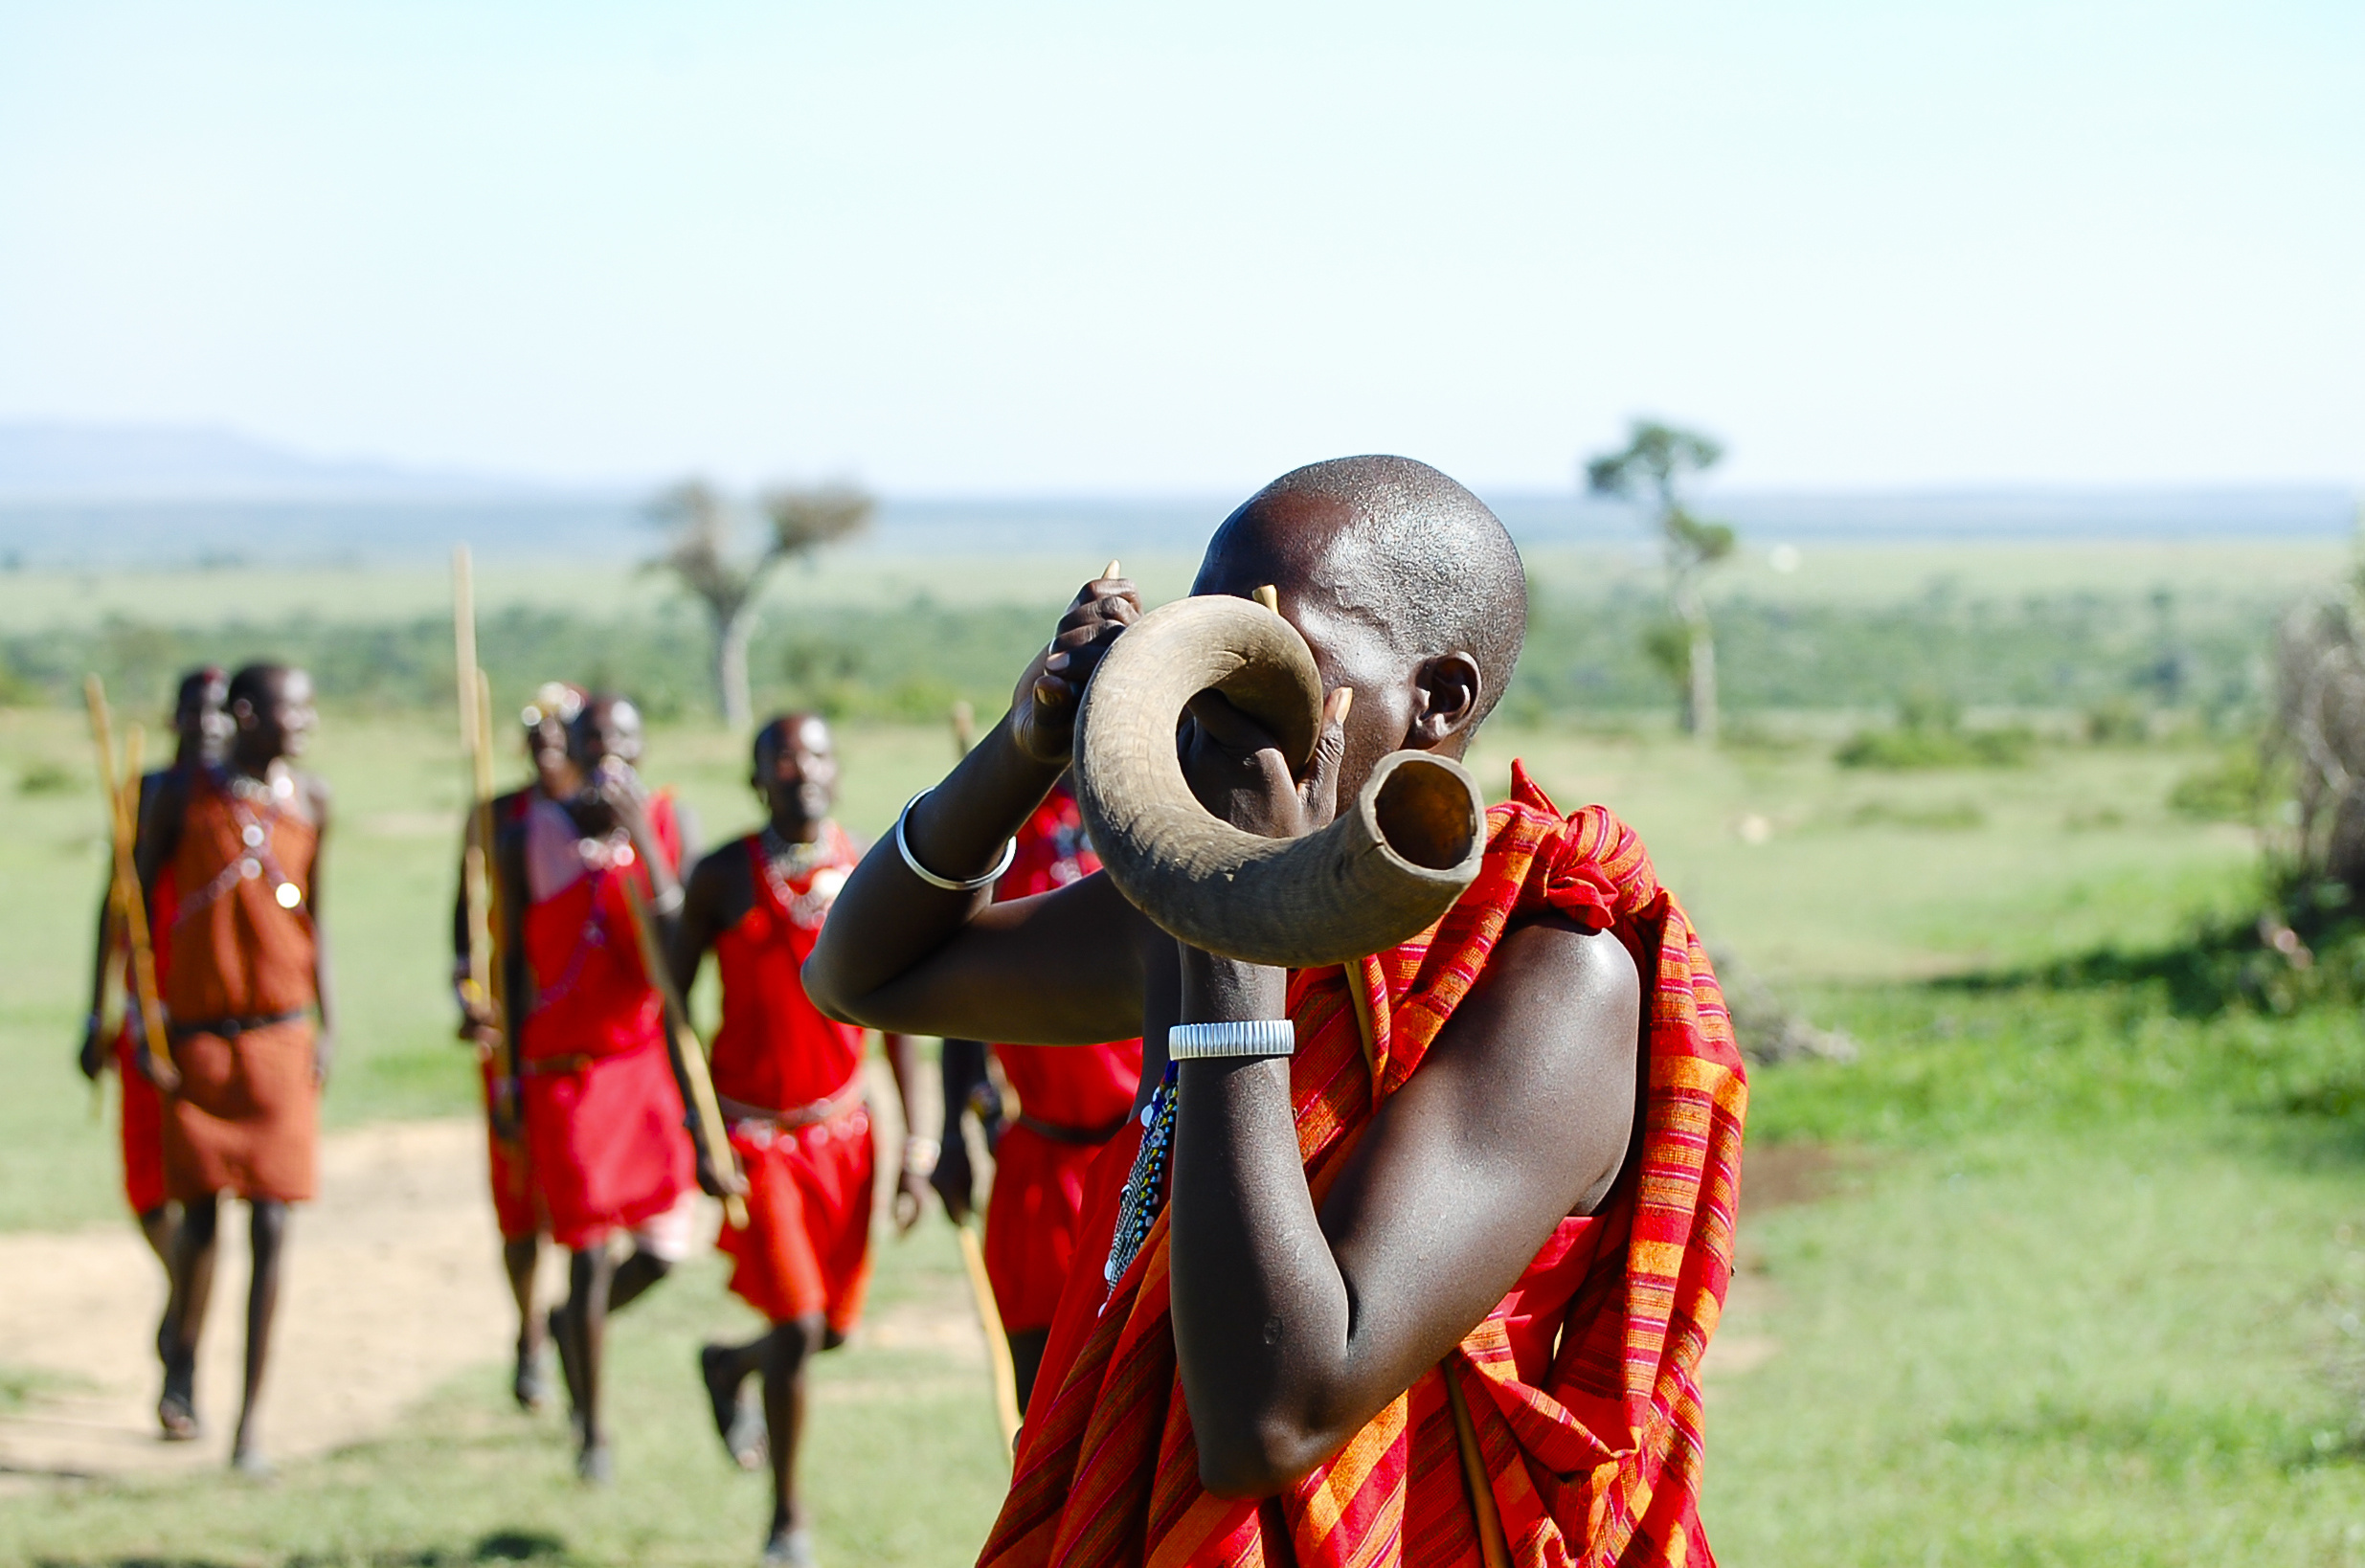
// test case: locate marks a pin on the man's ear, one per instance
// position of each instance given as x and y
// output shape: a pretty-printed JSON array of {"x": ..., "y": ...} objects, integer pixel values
[
  {"x": 1448, "y": 689},
  {"x": 243, "y": 712}
]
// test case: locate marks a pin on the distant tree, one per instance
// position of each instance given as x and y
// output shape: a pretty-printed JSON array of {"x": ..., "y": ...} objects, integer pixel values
[
  {"x": 702, "y": 527},
  {"x": 1651, "y": 465}
]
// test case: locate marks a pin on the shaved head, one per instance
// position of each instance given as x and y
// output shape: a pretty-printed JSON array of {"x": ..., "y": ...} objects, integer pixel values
[{"x": 1404, "y": 549}]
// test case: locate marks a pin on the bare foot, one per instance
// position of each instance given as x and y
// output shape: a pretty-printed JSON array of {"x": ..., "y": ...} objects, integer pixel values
[
  {"x": 740, "y": 1428},
  {"x": 790, "y": 1547},
  {"x": 176, "y": 1409}
]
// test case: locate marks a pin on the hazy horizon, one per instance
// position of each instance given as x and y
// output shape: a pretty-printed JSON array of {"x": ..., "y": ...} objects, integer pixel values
[{"x": 1045, "y": 248}]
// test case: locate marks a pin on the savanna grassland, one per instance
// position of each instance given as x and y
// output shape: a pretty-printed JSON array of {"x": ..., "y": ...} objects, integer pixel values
[{"x": 2065, "y": 1265}]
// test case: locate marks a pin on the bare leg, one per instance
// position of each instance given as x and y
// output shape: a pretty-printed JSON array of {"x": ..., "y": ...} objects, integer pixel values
[
  {"x": 780, "y": 1357},
  {"x": 269, "y": 1230},
  {"x": 519, "y": 1259},
  {"x": 183, "y": 1324},
  {"x": 634, "y": 1276},
  {"x": 158, "y": 1224},
  {"x": 589, "y": 1273},
  {"x": 1026, "y": 1359},
  {"x": 787, "y": 1350}
]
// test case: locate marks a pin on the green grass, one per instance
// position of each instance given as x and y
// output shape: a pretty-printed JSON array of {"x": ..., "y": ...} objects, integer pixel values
[{"x": 2090, "y": 1287}]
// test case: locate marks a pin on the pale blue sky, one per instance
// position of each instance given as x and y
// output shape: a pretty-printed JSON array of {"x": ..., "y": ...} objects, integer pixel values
[{"x": 1093, "y": 248}]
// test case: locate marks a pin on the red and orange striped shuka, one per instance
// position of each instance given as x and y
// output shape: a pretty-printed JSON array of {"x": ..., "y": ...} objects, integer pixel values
[{"x": 1580, "y": 1386}]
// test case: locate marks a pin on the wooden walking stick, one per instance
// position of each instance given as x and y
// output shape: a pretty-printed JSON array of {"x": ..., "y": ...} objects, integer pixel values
[
  {"x": 997, "y": 1342},
  {"x": 703, "y": 1104},
  {"x": 476, "y": 747},
  {"x": 130, "y": 903}
]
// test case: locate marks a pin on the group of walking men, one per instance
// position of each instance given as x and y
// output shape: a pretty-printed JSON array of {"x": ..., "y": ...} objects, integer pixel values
[
  {"x": 584, "y": 1079},
  {"x": 1407, "y": 1259}
]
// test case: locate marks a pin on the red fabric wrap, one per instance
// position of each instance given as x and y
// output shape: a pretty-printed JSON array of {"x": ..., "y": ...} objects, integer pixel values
[
  {"x": 246, "y": 1118},
  {"x": 1593, "y": 1454},
  {"x": 774, "y": 1048},
  {"x": 1037, "y": 1203},
  {"x": 141, "y": 1118},
  {"x": 603, "y": 1115},
  {"x": 517, "y": 1208},
  {"x": 806, "y": 1248}
]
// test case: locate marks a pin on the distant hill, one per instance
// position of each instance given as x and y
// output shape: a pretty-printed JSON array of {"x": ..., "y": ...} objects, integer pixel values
[
  {"x": 49, "y": 462},
  {"x": 100, "y": 497}
]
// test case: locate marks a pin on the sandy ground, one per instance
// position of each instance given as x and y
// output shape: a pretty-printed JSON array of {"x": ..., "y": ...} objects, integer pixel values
[{"x": 393, "y": 1285}]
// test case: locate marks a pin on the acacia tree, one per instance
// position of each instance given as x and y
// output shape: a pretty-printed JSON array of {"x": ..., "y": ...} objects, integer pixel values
[
  {"x": 703, "y": 526},
  {"x": 1654, "y": 459}
]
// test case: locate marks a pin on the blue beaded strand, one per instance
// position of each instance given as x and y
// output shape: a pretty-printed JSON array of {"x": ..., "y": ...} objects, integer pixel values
[{"x": 1145, "y": 1184}]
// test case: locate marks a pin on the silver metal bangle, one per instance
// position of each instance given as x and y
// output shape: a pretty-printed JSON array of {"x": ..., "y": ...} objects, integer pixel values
[
  {"x": 951, "y": 885},
  {"x": 1246, "y": 1038}
]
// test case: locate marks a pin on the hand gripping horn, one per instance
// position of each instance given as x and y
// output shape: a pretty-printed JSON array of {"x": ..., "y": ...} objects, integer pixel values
[{"x": 1385, "y": 870}]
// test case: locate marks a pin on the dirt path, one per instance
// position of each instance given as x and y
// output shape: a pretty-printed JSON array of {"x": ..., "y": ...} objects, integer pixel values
[{"x": 393, "y": 1285}]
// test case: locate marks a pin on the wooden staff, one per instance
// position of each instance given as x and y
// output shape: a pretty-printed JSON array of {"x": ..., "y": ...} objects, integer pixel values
[
  {"x": 476, "y": 746},
  {"x": 122, "y": 827},
  {"x": 997, "y": 1342},
  {"x": 703, "y": 1104}
]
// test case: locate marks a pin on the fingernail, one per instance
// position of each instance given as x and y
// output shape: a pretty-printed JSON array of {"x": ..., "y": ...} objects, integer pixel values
[
  {"x": 1057, "y": 661},
  {"x": 1346, "y": 703}
]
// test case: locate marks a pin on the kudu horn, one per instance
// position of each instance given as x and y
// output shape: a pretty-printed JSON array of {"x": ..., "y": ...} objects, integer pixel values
[{"x": 1385, "y": 870}]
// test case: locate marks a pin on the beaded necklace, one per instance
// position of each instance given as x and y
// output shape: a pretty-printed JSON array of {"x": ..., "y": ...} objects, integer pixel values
[{"x": 1145, "y": 1196}]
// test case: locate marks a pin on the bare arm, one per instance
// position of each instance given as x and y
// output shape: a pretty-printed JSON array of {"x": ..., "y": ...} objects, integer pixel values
[
  {"x": 903, "y": 1061},
  {"x": 1295, "y": 1327},
  {"x": 324, "y": 969},
  {"x": 1061, "y": 968}
]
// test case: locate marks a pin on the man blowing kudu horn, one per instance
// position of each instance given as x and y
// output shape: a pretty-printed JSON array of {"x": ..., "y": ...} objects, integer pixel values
[
  {"x": 790, "y": 1082},
  {"x": 241, "y": 846},
  {"x": 1478, "y": 1228}
]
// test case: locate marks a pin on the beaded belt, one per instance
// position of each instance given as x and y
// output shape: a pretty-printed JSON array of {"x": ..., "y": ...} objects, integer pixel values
[
  {"x": 233, "y": 1028},
  {"x": 1075, "y": 1137},
  {"x": 795, "y": 1118}
]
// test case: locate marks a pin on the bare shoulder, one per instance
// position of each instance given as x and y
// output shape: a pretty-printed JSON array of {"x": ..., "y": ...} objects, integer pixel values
[
  {"x": 1539, "y": 1058},
  {"x": 315, "y": 792},
  {"x": 721, "y": 885}
]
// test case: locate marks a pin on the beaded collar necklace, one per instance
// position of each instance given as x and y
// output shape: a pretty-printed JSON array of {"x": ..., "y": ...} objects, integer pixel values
[{"x": 787, "y": 858}]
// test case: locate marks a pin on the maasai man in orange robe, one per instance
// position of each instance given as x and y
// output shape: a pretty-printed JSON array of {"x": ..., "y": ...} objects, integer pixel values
[
  {"x": 790, "y": 1082},
  {"x": 1072, "y": 1101},
  {"x": 201, "y": 728},
  {"x": 1421, "y": 1269},
  {"x": 516, "y": 1210},
  {"x": 250, "y": 965},
  {"x": 603, "y": 1105}
]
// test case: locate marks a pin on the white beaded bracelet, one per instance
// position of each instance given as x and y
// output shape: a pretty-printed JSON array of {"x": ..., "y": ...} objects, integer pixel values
[
  {"x": 1247, "y": 1038},
  {"x": 951, "y": 885}
]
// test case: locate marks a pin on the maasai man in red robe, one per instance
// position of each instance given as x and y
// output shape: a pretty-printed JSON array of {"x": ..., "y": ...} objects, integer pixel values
[
  {"x": 1433, "y": 1287},
  {"x": 602, "y": 1088},
  {"x": 201, "y": 730},
  {"x": 510, "y": 1174},
  {"x": 1072, "y": 1101},
  {"x": 790, "y": 1082},
  {"x": 250, "y": 965}
]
